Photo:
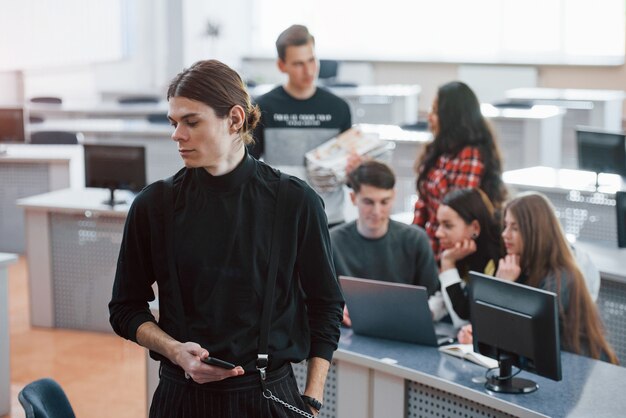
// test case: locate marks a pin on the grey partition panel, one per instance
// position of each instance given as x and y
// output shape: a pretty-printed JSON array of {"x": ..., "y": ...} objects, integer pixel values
[
  {"x": 84, "y": 252},
  {"x": 425, "y": 402},
  {"x": 330, "y": 391},
  {"x": 510, "y": 135},
  {"x": 584, "y": 215},
  {"x": 612, "y": 305},
  {"x": 18, "y": 180}
]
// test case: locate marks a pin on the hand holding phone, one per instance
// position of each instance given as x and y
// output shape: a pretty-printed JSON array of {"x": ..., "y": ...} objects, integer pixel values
[{"x": 217, "y": 362}]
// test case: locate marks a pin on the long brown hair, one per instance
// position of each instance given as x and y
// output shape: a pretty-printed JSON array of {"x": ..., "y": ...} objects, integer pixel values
[
  {"x": 462, "y": 124},
  {"x": 546, "y": 251}
]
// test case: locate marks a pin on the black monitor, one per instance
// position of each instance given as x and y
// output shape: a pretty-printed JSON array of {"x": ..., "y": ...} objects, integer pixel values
[
  {"x": 328, "y": 70},
  {"x": 518, "y": 326},
  {"x": 12, "y": 124},
  {"x": 115, "y": 167},
  {"x": 620, "y": 206},
  {"x": 601, "y": 151}
]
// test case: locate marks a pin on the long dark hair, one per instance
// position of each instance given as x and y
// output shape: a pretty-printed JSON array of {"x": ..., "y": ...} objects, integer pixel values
[
  {"x": 462, "y": 124},
  {"x": 474, "y": 205},
  {"x": 546, "y": 251}
]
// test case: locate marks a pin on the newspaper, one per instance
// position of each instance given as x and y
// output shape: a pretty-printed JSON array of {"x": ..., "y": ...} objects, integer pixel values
[{"x": 326, "y": 164}]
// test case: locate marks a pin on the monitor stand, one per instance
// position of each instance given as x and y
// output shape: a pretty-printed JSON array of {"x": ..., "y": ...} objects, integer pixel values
[
  {"x": 509, "y": 384},
  {"x": 111, "y": 200}
]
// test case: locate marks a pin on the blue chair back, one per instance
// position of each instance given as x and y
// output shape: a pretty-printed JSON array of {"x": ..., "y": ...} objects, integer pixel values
[{"x": 45, "y": 398}]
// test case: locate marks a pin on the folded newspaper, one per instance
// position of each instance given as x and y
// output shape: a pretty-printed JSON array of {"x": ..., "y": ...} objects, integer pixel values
[{"x": 326, "y": 164}]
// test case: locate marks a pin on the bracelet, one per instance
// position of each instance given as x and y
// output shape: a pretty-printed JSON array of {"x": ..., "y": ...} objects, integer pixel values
[{"x": 312, "y": 402}]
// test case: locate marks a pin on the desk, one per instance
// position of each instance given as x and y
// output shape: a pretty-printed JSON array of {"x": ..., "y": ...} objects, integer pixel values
[
  {"x": 384, "y": 104},
  {"x": 380, "y": 378},
  {"x": 5, "y": 361},
  {"x": 95, "y": 109},
  {"x": 527, "y": 137},
  {"x": 598, "y": 108},
  {"x": 73, "y": 241},
  {"x": 584, "y": 212},
  {"x": 27, "y": 170},
  {"x": 162, "y": 159}
]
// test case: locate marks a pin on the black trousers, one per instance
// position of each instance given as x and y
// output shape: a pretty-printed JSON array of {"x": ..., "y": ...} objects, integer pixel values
[{"x": 239, "y": 397}]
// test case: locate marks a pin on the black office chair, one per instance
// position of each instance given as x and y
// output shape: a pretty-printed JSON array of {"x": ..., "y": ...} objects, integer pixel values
[
  {"x": 46, "y": 99},
  {"x": 54, "y": 138},
  {"x": 139, "y": 99},
  {"x": 158, "y": 118},
  {"x": 45, "y": 398}
]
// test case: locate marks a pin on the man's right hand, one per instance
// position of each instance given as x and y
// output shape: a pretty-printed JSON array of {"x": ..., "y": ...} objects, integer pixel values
[{"x": 188, "y": 356}]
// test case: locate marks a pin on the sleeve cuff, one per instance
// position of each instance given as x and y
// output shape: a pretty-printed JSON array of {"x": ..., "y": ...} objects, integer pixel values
[
  {"x": 136, "y": 322},
  {"x": 322, "y": 350},
  {"x": 449, "y": 277}
]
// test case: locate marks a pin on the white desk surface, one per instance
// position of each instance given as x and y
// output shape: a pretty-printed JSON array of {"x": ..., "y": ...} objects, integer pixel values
[
  {"x": 27, "y": 153},
  {"x": 395, "y": 133},
  {"x": 97, "y": 108},
  {"x": 562, "y": 178},
  {"x": 536, "y": 112},
  {"x": 6, "y": 259},
  {"x": 88, "y": 201},
  {"x": 105, "y": 126},
  {"x": 607, "y": 257},
  {"x": 375, "y": 90},
  {"x": 539, "y": 93}
]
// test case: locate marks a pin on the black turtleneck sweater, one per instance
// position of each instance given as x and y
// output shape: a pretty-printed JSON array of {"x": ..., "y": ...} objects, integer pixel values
[{"x": 222, "y": 236}]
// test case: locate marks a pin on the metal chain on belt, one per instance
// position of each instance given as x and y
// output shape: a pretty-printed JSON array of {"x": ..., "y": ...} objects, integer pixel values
[{"x": 267, "y": 394}]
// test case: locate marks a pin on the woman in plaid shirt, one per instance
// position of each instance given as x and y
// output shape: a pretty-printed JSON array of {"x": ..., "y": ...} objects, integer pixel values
[{"x": 463, "y": 154}]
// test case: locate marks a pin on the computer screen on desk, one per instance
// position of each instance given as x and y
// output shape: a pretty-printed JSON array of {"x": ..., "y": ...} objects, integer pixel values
[
  {"x": 12, "y": 124},
  {"x": 518, "y": 326},
  {"x": 601, "y": 151},
  {"x": 115, "y": 167}
]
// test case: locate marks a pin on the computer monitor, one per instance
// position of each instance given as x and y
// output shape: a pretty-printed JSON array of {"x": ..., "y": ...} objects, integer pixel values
[
  {"x": 518, "y": 326},
  {"x": 12, "y": 124},
  {"x": 601, "y": 151},
  {"x": 620, "y": 206},
  {"x": 115, "y": 167}
]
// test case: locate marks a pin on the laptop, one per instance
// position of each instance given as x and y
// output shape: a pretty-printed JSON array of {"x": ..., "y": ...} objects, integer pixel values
[{"x": 393, "y": 311}]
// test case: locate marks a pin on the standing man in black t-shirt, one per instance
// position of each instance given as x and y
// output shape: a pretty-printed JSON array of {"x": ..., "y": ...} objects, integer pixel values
[{"x": 298, "y": 116}]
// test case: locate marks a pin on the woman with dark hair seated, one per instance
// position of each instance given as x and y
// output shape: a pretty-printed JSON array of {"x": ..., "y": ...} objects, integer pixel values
[{"x": 469, "y": 239}]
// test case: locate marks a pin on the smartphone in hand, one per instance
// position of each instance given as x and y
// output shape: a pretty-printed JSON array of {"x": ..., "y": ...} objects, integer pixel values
[{"x": 217, "y": 362}]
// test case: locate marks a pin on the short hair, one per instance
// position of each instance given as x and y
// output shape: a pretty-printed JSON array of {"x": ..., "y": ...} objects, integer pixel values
[
  {"x": 372, "y": 173},
  {"x": 219, "y": 87},
  {"x": 294, "y": 35}
]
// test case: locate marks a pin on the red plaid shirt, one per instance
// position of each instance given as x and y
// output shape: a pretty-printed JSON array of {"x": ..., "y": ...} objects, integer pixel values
[{"x": 464, "y": 170}]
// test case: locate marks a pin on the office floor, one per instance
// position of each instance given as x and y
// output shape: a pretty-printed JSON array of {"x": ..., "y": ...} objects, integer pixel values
[{"x": 102, "y": 374}]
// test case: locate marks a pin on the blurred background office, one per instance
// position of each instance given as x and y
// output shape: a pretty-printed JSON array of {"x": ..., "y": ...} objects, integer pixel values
[{"x": 89, "y": 72}]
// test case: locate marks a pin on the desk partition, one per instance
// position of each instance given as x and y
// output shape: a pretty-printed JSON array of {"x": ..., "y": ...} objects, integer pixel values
[
  {"x": 597, "y": 108},
  {"x": 27, "y": 170},
  {"x": 5, "y": 361}
]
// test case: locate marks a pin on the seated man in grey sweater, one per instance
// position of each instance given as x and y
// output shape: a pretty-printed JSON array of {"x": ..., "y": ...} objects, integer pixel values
[{"x": 379, "y": 248}]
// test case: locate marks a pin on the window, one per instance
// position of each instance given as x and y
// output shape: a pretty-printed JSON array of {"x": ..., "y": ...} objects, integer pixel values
[{"x": 559, "y": 32}]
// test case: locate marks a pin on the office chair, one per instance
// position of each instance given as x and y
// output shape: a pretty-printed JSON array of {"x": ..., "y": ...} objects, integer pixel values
[
  {"x": 138, "y": 100},
  {"x": 44, "y": 398},
  {"x": 158, "y": 118},
  {"x": 54, "y": 138},
  {"x": 46, "y": 99}
]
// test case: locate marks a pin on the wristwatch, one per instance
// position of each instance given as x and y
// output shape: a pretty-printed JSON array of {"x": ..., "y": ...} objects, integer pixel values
[{"x": 312, "y": 401}]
